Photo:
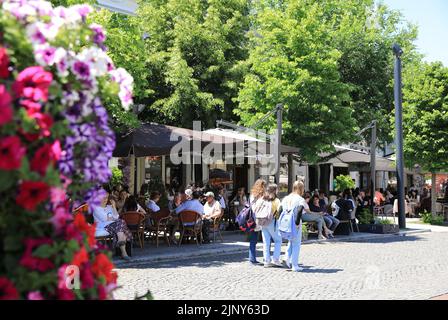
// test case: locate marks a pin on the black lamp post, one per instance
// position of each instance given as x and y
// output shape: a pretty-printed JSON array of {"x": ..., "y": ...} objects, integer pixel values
[{"x": 399, "y": 136}]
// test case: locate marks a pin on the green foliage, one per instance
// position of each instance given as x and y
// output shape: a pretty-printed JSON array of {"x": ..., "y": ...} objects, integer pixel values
[
  {"x": 385, "y": 221},
  {"x": 425, "y": 116},
  {"x": 343, "y": 182},
  {"x": 366, "y": 217},
  {"x": 293, "y": 62},
  {"x": 427, "y": 217},
  {"x": 304, "y": 231},
  {"x": 117, "y": 177}
]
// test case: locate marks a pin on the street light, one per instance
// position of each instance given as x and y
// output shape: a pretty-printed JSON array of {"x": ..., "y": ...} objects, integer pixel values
[{"x": 399, "y": 135}]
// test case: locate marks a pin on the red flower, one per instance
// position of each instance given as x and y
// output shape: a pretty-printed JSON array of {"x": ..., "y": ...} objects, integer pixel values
[
  {"x": 44, "y": 121},
  {"x": 65, "y": 294},
  {"x": 35, "y": 263},
  {"x": 31, "y": 106},
  {"x": 32, "y": 193},
  {"x": 11, "y": 153},
  {"x": 102, "y": 267},
  {"x": 81, "y": 224},
  {"x": 7, "y": 290},
  {"x": 32, "y": 83},
  {"x": 44, "y": 156},
  {"x": 102, "y": 292},
  {"x": 5, "y": 105},
  {"x": 87, "y": 278},
  {"x": 4, "y": 63},
  {"x": 80, "y": 257}
]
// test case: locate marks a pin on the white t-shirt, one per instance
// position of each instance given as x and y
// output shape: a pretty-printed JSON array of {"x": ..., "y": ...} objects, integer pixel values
[
  {"x": 101, "y": 215},
  {"x": 212, "y": 210}
]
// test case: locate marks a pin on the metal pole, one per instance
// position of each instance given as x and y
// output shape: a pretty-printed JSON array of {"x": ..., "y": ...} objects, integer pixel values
[
  {"x": 399, "y": 136},
  {"x": 279, "y": 141},
  {"x": 373, "y": 165}
]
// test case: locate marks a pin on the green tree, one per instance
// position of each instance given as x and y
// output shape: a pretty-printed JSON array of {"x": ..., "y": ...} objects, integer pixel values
[
  {"x": 193, "y": 49},
  {"x": 425, "y": 118},
  {"x": 364, "y": 32},
  {"x": 293, "y": 62}
]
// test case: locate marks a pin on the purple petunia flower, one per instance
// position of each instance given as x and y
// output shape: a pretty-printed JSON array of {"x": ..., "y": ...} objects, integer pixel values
[{"x": 81, "y": 70}]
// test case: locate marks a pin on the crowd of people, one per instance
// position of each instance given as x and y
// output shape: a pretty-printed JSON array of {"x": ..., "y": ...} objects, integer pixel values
[{"x": 212, "y": 201}]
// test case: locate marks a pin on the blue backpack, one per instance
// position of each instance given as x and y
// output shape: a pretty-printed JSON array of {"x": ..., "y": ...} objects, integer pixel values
[
  {"x": 288, "y": 222},
  {"x": 246, "y": 219}
]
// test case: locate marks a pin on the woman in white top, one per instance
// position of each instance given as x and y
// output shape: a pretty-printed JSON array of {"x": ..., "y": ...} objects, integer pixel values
[{"x": 106, "y": 218}]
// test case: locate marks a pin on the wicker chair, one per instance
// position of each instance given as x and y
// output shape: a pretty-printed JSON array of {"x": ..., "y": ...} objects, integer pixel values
[
  {"x": 215, "y": 227},
  {"x": 191, "y": 226},
  {"x": 158, "y": 225},
  {"x": 135, "y": 222}
]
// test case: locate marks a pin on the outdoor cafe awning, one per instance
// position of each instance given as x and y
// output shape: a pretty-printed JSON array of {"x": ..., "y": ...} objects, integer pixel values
[
  {"x": 239, "y": 136},
  {"x": 153, "y": 139}
]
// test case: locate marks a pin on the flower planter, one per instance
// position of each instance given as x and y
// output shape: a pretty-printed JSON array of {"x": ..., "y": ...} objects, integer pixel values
[{"x": 379, "y": 228}]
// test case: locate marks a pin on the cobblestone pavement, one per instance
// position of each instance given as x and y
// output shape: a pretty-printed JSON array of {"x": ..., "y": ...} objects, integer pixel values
[{"x": 400, "y": 267}]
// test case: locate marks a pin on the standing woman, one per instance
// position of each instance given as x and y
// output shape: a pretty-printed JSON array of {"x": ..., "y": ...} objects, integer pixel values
[
  {"x": 257, "y": 192},
  {"x": 271, "y": 232},
  {"x": 294, "y": 199}
]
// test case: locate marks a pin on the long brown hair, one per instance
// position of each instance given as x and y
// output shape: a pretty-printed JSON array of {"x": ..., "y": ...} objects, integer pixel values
[{"x": 258, "y": 189}]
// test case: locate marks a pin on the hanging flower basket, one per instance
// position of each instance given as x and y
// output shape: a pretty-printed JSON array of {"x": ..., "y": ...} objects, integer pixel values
[{"x": 55, "y": 143}]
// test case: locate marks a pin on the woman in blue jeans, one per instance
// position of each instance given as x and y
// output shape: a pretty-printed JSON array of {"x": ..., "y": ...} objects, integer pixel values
[
  {"x": 294, "y": 199},
  {"x": 270, "y": 232},
  {"x": 258, "y": 190}
]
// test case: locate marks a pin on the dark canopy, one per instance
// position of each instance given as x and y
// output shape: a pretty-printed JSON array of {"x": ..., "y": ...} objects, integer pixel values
[{"x": 152, "y": 139}]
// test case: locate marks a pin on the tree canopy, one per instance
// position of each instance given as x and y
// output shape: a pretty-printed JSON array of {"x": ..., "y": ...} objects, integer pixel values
[
  {"x": 329, "y": 62},
  {"x": 425, "y": 116}
]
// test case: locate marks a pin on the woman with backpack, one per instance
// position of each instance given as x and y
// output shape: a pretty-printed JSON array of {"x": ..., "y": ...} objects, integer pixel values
[
  {"x": 269, "y": 228},
  {"x": 290, "y": 224},
  {"x": 257, "y": 192}
]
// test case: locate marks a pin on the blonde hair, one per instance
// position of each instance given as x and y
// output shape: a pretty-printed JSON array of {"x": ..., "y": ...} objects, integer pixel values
[
  {"x": 258, "y": 189},
  {"x": 298, "y": 187}
]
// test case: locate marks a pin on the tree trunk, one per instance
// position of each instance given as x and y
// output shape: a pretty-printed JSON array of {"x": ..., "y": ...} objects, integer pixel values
[{"x": 433, "y": 194}]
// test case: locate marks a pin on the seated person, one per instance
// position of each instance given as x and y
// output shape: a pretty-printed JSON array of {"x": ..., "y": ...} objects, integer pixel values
[
  {"x": 175, "y": 202},
  {"x": 131, "y": 205},
  {"x": 151, "y": 204},
  {"x": 122, "y": 197},
  {"x": 106, "y": 218},
  {"x": 212, "y": 209},
  {"x": 330, "y": 221},
  {"x": 323, "y": 199},
  {"x": 173, "y": 224},
  {"x": 309, "y": 216},
  {"x": 192, "y": 205}
]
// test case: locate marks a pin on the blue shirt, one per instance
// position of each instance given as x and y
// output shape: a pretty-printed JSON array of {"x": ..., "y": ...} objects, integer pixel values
[{"x": 191, "y": 205}]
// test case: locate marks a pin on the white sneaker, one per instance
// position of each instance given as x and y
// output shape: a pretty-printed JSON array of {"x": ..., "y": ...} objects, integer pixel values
[
  {"x": 322, "y": 238},
  {"x": 277, "y": 263},
  {"x": 268, "y": 264},
  {"x": 297, "y": 270}
]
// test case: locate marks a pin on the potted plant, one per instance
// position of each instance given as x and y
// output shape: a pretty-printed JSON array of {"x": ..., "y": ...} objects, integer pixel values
[
  {"x": 368, "y": 223},
  {"x": 304, "y": 232}
]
